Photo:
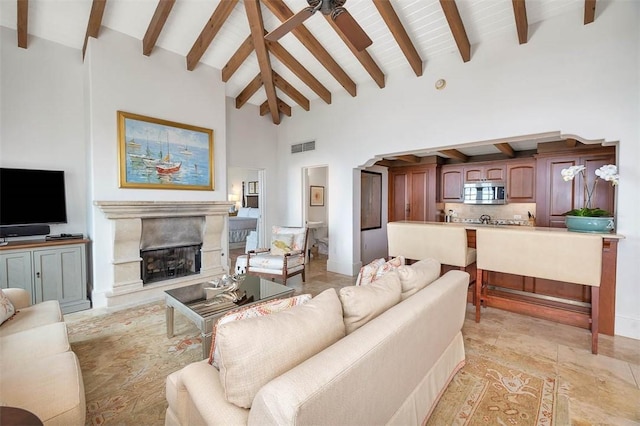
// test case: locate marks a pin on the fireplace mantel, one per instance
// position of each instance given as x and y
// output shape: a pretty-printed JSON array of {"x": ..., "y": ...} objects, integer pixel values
[
  {"x": 126, "y": 217},
  {"x": 144, "y": 209}
]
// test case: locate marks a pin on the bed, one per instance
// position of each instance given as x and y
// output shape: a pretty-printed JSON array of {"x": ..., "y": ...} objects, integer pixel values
[{"x": 241, "y": 225}]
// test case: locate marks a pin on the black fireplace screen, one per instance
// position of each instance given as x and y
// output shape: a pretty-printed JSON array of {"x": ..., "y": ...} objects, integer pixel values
[{"x": 167, "y": 263}]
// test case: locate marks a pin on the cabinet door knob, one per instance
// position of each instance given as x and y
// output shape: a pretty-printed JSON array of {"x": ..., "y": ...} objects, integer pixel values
[{"x": 37, "y": 274}]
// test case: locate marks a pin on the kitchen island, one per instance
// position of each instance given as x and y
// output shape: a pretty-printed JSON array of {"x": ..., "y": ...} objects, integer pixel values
[{"x": 544, "y": 298}]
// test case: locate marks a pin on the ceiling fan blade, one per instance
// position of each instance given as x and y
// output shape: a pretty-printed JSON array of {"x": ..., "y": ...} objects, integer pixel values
[
  {"x": 290, "y": 24},
  {"x": 351, "y": 29}
]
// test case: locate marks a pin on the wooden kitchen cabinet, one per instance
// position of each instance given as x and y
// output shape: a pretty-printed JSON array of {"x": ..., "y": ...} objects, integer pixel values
[
  {"x": 484, "y": 172},
  {"x": 451, "y": 183},
  {"x": 413, "y": 193},
  {"x": 521, "y": 181},
  {"x": 554, "y": 196}
]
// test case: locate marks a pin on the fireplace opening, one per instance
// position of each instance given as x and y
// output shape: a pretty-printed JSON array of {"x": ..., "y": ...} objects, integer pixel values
[{"x": 170, "y": 262}]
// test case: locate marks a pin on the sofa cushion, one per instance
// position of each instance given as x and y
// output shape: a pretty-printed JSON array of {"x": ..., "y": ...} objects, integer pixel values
[
  {"x": 33, "y": 316},
  {"x": 256, "y": 350},
  {"x": 38, "y": 342},
  {"x": 7, "y": 309},
  {"x": 360, "y": 304},
  {"x": 51, "y": 388},
  {"x": 253, "y": 311},
  {"x": 417, "y": 276}
]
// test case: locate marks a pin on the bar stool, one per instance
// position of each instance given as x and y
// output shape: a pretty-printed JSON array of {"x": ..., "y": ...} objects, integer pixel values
[
  {"x": 553, "y": 254},
  {"x": 445, "y": 243}
]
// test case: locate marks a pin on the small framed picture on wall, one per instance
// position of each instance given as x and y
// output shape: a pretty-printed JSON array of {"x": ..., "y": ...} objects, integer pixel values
[{"x": 316, "y": 196}]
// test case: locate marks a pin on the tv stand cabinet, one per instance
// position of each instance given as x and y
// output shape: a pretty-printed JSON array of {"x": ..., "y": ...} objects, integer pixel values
[{"x": 48, "y": 270}]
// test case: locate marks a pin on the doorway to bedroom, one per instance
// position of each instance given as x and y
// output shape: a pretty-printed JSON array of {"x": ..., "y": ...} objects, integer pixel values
[{"x": 245, "y": 189}]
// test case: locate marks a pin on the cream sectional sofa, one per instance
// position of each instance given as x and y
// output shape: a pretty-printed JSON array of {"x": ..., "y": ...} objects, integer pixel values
[
  {"x": 38, "y": 370},
  {"x": 390, "y": 369}
]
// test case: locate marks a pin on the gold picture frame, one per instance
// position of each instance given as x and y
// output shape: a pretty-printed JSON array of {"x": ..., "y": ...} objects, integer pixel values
[{"x": 162, "y": 154}]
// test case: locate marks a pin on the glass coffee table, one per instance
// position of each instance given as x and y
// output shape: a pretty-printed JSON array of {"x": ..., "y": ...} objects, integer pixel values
[{"x": 192, "y": 302}]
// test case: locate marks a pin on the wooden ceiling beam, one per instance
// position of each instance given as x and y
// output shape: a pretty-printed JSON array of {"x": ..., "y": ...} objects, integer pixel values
[
  {"x": 455, "y": 154},
  {"x": 390, "y": 17},
  {"x": 208, "y": 33},
  {"x": 408, "y": 158},
  {"x": 155, "y": 26},
  {"x": 240, "y": 55},
  {"x": 522, "y": 25},
  {"x": 589, "y": 11},
  {"x": 299, "y": 70},
  {"x": 572, "y": 143},
  {"x": 290, "y": 91},
  {"x": 456, "y": 25},
  {"x": 282, "y": 106},
  {"x": 363, "y": 56},
  {"x": 506, "y": 149},
  {"x": 23, "y": 21},
  {"x": 254, "y": 15},
  {"x": 282, "y": 12},
  {"x": 95, "y": 22},
  {"x": 248, "y": 91}
]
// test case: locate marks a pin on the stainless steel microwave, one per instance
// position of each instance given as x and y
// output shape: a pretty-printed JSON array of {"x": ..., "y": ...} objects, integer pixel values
[{"x": 485, "y": 192}]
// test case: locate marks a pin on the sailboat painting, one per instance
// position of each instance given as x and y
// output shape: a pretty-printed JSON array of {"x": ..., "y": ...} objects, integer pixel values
[{"x": 161, "y": 154}]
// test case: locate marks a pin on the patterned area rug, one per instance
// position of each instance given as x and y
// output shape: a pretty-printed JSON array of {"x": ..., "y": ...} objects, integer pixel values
[
  {"x": 126, "y": 356},
  {"x": 487, "y": 393}
]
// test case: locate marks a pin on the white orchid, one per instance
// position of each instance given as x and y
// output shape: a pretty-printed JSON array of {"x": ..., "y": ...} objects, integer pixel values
[{"x": 607, "y": 173}]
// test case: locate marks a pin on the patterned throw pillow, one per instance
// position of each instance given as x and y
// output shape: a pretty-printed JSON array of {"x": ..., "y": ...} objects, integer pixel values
[
  {"x": 282, "y": 244},
  {"x": 259, "y": 310},
  {"x": 368, "y": 272},
  {"x": 389, "y": 266},
  {"x": 7, "y": 310}
]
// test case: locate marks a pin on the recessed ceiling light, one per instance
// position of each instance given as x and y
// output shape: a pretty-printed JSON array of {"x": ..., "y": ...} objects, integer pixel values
[{"x": 440, "y": 84}]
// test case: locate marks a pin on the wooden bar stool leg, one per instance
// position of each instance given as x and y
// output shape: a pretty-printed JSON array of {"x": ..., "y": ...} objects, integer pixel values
[
  {"x": 595, "y": 313},
  {"x": 478, "y": 290}
]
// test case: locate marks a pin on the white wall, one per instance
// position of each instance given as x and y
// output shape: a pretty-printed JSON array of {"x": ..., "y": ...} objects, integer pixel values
[
  {"x": 41, "y": 117},
  {"x": 252, "y": 145},
  {"x": 573, "y": 78},
  {"x": 119, "y": 77}
]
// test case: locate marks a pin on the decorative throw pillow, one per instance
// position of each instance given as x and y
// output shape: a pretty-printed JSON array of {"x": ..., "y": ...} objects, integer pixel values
[
  {"x": 281, "y": 244},
  {"x": 417, "y": 276},
  {"x": 388, "y": 266},
  {"x": 253, "y": 311},
  {"x": 361, "y": 304},
  {"x": 368, "y": 272},
  {"x": 257, "y": 350},
  {"x": 7, "y": 310}
]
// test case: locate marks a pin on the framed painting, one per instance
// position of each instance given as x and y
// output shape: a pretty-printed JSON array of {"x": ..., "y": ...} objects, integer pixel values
[
  {"x": 316, "y": 197},
  {"x": 370, "y": 200},
  {"x": 161, "y": 154},
  {"x": 253, "y": 187}
]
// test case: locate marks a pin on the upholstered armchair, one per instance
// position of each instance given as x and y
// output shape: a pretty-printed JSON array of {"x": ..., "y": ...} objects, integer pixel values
[{"x": 284, "y": 259}]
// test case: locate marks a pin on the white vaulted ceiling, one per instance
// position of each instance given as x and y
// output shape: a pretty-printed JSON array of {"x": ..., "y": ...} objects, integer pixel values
[{"x": 67, "y": 22}]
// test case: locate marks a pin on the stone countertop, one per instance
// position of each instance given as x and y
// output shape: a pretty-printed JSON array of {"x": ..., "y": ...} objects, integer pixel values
[{"x": 468, "y": 225}]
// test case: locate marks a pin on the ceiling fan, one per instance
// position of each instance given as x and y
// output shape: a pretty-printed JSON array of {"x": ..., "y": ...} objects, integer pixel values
[{"x": 343, "y": 19}]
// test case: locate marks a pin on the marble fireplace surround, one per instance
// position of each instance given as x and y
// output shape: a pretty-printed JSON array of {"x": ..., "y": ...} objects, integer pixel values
[{"x": 126, "y": 219}]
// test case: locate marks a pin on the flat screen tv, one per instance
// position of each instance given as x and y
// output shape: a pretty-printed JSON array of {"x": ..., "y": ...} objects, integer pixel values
[{"x": 32, "y": 197}]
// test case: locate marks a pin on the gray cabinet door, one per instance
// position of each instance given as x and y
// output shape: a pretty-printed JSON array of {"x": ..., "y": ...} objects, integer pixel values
[
  {"x": 16, "y": 272},
  {"x": 60, "y": 274}
]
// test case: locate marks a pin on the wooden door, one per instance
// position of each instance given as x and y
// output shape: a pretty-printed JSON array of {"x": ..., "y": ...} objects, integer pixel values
[
  {"x": 419, "y": 195},
  {"x": 398, "y": 195}
]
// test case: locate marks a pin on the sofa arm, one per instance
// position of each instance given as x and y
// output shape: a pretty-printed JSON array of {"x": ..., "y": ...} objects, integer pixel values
[{"x": 20, "y": 298}]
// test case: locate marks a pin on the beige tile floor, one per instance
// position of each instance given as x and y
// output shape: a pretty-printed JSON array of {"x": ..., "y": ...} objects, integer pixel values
[{"x": 601, "y": 389}]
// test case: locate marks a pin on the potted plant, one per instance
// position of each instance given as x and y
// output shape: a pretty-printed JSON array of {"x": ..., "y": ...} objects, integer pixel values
[{"x": 588, "y": 218}]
